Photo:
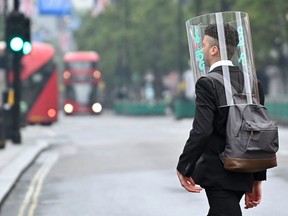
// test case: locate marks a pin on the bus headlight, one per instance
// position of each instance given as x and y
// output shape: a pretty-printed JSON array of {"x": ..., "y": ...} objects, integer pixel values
[
  {"x": 68, "y": 108},
  {"x": 97, "y": 107}
]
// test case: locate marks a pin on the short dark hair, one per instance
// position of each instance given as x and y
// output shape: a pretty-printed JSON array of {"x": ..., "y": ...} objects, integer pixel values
[{"x": 231, "y": 36}]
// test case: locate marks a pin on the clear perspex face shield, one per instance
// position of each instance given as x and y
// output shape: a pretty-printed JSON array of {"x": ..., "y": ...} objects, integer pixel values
[{"x": 233, "y": 39}]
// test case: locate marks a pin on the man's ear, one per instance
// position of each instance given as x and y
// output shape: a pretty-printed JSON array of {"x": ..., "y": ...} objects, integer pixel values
[{"x": 214, "y": 50}]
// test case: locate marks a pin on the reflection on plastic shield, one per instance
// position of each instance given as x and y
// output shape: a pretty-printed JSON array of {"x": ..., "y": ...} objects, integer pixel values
[{"x": 227, "y": 40}]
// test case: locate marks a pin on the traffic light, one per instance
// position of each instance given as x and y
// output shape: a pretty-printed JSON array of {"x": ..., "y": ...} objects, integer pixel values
[{"x": 17, "y": 34}]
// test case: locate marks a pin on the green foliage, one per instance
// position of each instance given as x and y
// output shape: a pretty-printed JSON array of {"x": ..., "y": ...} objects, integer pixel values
[
  {"x": 269, "y": 24},
  {"x": 134, "y": 36},
  {"x": 268, "y": 20}
]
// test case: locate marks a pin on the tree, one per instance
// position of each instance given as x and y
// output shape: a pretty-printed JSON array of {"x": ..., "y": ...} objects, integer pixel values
[
  {"x": 134, "y": 35},
  {"x": 269, "y": 22}
]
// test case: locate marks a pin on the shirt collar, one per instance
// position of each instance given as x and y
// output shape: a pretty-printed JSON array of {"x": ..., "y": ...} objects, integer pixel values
[{"x": 221, "y": 63}]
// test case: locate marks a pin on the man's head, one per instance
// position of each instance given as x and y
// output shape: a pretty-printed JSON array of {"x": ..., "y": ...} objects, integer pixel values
[{"x": 211, "y": 43}]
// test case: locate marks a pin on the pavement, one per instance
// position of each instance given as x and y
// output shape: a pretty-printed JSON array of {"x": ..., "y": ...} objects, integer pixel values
[{"x": 14, "y": 159}]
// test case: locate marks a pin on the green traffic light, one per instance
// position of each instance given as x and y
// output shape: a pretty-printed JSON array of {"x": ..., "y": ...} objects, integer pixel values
[
  {"x": 27, "y": 47},
  {"x": 16, "y": 44}
]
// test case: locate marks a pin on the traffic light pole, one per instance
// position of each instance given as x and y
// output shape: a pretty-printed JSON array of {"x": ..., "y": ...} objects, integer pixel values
[
  {"x": 16, "y": 5},
  {"x": 18, "y": 42},
  {"x": 16, "y": 135}
]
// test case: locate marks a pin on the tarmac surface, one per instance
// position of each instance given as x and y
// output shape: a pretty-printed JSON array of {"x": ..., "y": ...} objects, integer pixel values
[{"x": 14, "y": 159}]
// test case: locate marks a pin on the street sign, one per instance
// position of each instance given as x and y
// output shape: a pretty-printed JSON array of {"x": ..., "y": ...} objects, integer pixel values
[{"x": 55, "y": 7}]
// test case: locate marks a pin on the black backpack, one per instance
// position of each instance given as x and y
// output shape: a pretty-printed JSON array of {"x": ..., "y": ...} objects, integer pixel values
[{"x": 251, "y": 136}]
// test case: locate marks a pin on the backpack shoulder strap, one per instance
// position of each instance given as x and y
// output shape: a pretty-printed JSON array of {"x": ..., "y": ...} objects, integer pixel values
[
  {"x": 220, "y": 78},
  {"x": 214, "y": 86}
]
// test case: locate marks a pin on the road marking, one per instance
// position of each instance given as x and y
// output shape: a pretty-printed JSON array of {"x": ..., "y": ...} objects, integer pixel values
[{"x": 32, "y": 195}]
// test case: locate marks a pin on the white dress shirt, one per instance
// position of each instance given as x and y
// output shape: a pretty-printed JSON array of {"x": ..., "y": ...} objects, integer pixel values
[{"x": 221, "y": 63}]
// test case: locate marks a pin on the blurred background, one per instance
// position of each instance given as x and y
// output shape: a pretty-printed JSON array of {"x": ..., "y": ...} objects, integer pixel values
[
  {"x": 101, "y": 96},
  {"x": 142, "y": 47}
]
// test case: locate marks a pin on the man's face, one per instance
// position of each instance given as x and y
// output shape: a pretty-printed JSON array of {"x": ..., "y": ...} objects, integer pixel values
[
  {"x": 206, "y": 50},
  {"x": 210, "y": 50}
]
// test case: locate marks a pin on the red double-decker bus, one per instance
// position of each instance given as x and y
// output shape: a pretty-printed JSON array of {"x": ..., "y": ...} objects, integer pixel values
[
  {"x": 39, "y": 82},
  {"x": 83, "y": 83}
]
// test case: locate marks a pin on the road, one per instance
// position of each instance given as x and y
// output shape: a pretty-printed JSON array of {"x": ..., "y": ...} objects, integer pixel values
[{"x": 112, "y": 165}]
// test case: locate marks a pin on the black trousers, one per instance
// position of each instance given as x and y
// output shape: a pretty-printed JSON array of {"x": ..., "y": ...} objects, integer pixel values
[{"x": 224, "y": 202}]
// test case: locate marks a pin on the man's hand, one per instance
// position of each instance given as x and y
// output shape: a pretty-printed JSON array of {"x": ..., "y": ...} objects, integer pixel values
[
  {"x": 254, "y": 198},
  {"x": 188, "y": 183}
]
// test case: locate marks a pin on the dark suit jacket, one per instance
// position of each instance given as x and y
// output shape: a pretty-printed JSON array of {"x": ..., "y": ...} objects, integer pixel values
[{"x": 200, "y": 158}]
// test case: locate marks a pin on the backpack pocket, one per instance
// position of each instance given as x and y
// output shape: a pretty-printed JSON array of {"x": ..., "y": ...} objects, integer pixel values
[{"x": 261, "y": 136}]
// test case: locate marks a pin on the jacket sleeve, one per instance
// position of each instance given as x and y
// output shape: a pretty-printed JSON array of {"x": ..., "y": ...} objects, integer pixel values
[{"x": 202, "y": 126}]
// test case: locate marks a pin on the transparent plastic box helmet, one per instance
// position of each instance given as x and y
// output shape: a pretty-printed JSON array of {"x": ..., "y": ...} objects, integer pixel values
[{"x": 242, "y": 57}]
